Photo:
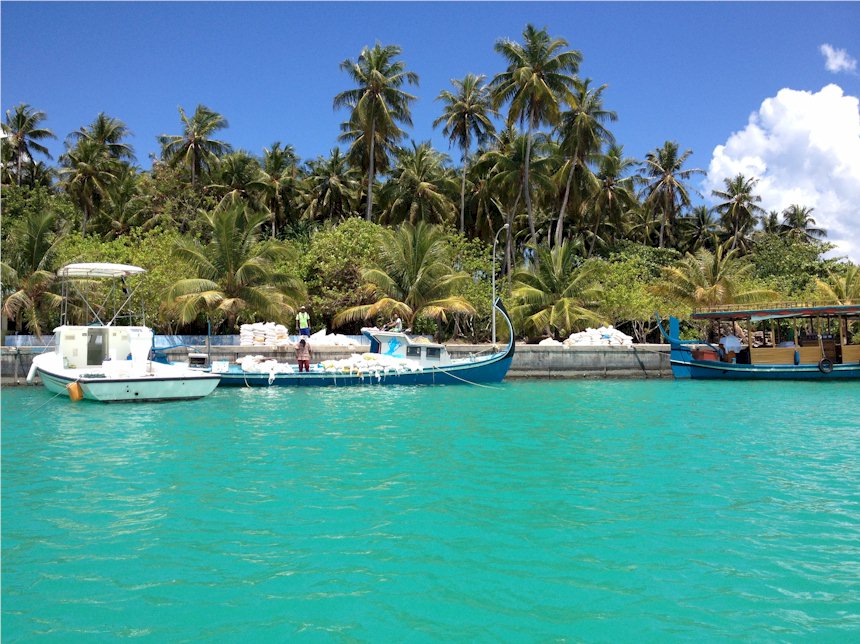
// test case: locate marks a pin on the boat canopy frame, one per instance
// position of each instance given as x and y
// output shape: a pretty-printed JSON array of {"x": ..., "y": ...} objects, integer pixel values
[{"x": 84, "y": 274}]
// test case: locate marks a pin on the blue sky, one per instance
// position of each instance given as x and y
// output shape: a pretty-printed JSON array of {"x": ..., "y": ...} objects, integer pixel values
[{"x": 689, "y": 72}]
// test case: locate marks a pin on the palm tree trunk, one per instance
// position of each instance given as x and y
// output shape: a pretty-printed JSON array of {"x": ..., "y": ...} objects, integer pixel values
[
  {"x": 509, "y": 237},
  {"x": 18, "y": 175},
  {"x": 528, "y": 191},
  {"x": 463, "y": 194},
  {"x": 369, "y": 214},
  {"x": 194, "y": 163},
  {"x": 559, "y": 226},
  {"x": 662, "y": 227},
  {"x": 598, "y": 211},
  {"x": 274, "y": 216},
  {"x": 594, "y": 233}
]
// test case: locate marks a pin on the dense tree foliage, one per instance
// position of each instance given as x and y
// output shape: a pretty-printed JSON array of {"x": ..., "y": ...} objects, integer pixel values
[
  {"x": 413, "y": 278},
  {"x": 237, "y": 235}
]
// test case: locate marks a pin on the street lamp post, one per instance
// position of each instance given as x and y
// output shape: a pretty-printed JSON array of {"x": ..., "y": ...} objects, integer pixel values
[{"x": 493, "y": 303}]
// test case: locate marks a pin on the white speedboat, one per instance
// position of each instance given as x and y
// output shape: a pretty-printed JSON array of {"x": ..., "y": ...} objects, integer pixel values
[{"x": 107, "y": 362}]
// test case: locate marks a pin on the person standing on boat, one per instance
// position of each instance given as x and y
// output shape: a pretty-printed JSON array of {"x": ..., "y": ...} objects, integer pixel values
[
  {"x": 303, "y": 322},
  {"x": 304, "y": 355}
]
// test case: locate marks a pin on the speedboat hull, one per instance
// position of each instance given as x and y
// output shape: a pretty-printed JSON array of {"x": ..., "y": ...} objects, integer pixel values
[{"x": 162, "y": 385}]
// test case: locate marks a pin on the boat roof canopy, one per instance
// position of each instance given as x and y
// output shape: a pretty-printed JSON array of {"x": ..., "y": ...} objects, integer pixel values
[
  {"x": 99, "y": 269},
  {"x": 757, "y": 315}
]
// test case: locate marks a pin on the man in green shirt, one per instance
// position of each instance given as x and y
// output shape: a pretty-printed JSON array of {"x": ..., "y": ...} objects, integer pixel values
[{"x": 303, "y": 322}]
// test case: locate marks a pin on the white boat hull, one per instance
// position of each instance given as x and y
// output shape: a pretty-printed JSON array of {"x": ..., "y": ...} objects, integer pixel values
[{"x": 163, "y": 382}]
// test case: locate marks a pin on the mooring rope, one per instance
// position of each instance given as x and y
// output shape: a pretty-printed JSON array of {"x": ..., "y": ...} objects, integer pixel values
[
  {"x": 47, "y": 401},
  {"x": 468, "y": 382}
]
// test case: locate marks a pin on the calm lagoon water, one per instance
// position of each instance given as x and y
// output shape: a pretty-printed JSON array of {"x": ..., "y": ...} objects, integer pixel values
[{"x": 598, "y": 511}]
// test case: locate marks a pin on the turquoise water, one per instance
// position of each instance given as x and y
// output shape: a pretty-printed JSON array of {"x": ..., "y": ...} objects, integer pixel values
[{"x": 598, "y": 511}]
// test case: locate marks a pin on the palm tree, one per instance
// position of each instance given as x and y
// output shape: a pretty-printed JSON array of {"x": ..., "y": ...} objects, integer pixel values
[
  {"x": 699, "y": 229},
  {"x": 416, "y": 190},
  {"x": 841, "y": 288},
  {"x": 23, "y": 131},
  {"x": 553, "y": 295},
  {"x": 333, "y": 188},
  {"x": 667, "y": 190},
  {"x": 540, "y": 75},
  {"x": 739, "y": 210},
  {"x": 506, "y": 166},
  {"x": 195, "y": 148},
  {"x": 88, "y": 177},
  {"x": 707, "y": 280},
  {"x": 614, "y": 193},
  {"x": 582, "y": 135},
  {"x": 234, "y": 273},
  {"x": 108, "y": 132},
  {"x": 277, "y": 178},
  {"x": 26, "y": 279},
  {"x": 34, "y": 174},
  {"x": 238, "y": 180},
  {"x": 483, "y": 202},
  {"x": 125, "y": 207},
  {"x": 797, "y": 220},
  {"x": 7, "y": 162},
  {"x": 467, "y": 118},
  {"x": 378, "y": 102},
  {"x": 414, "y": 278},
  {"x": 770, "y": 222},
  {"x": 640, "y": 225},
  {"x": 356, "y": 132}
]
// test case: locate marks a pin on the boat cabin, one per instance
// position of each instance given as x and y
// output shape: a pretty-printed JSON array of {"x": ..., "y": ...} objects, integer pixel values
[
  {"x": 88, "y": 346},
  {"x": 400, "y": 345},
  {"x": 788, "y": 335}
]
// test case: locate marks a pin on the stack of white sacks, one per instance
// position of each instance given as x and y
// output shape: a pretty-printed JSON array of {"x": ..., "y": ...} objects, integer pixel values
[
  {"x": 369, "y": 364},
  {"x": 261, "y": 364},
  {"x": 262, "y": 334},
  {"x": 332, "y": 340},
  {"x": 605, "y": 336},
  {"x": 360, "y": 364}
]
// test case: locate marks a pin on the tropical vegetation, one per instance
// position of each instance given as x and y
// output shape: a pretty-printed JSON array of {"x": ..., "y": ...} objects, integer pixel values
[{"x": 388, "y": 225}]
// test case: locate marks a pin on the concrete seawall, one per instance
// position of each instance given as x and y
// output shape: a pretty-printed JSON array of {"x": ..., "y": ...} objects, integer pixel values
[{"x": 530, "y": 361}]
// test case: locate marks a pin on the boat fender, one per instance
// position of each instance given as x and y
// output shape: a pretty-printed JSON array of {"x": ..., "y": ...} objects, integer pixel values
[
  {"x": 31, "y": 374},
  {"x": 75, "y": 391},
  {"x": 796, "y": 358},
  {"x": 825, "y": 365}
]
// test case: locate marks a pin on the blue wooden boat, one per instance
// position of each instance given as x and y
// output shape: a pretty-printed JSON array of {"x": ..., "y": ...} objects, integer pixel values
[
  {"x": 418, "y": 363},
  {"x": 802, "y": 343}
]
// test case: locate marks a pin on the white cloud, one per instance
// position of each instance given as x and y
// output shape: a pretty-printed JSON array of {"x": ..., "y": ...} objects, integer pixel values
[
  {"x": 804, "y": 148},
  {"x": 837, "y": 60}
]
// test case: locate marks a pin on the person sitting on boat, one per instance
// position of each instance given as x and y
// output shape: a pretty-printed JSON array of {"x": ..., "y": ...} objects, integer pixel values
[
  {"x": 395, "y": 325},
  {"x": 303, "y": 322},
  {"x": 731, "y": 346},
  {"x": 304, "y": 355}
]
